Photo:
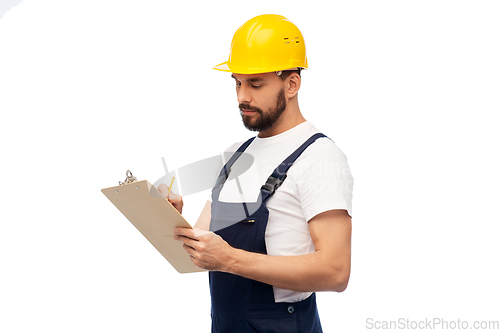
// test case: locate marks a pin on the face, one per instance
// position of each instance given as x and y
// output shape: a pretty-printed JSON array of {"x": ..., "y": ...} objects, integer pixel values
[{"x": 261, "y": 99}]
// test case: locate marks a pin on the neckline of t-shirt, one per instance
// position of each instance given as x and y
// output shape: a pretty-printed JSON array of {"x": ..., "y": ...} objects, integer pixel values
[{"x": 285, "y": 136}]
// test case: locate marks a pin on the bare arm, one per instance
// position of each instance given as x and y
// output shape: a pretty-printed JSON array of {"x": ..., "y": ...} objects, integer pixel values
[
  {"x": 203, "y": 221},
  {"x": 328, "y": 268}
]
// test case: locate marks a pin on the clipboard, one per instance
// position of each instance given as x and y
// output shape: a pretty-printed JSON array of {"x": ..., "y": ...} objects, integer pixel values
[{"x": 155, "y": 217}]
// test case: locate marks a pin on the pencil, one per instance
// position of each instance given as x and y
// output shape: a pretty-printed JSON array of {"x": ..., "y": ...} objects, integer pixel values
[{"x": 171, "y": 183}]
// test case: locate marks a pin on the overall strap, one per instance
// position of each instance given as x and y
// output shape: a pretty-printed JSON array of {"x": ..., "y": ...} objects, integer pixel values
[
  {"x": 224, "y": 173},
  {"x": 279, "y": 174}
]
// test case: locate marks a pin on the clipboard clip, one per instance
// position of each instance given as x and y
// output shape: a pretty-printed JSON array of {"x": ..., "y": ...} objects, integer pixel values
[{"x": 130, "y": 178}]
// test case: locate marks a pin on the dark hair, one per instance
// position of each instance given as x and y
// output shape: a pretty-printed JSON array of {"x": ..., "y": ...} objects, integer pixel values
[{"x": 287, "y": 73}]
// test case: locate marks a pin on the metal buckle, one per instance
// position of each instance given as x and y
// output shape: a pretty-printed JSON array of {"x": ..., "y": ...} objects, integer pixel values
[{"x": 130, "y": 178}]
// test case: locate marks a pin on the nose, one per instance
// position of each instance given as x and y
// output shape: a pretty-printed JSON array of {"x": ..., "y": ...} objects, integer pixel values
[{"x": 243, "y": 94}]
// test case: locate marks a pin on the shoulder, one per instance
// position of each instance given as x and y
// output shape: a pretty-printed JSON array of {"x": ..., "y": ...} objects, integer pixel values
[
  {"x": 324, "y": 166},
  {"x": 322, "y": 147},
  {"x": 322, "y": 179},
  {"x": 323, "y": 150}
]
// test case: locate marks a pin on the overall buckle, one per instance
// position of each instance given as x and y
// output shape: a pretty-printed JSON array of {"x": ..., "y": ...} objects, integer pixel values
[
  {"x": 221, "y": 180},
  {"x": 273, "y": 183}
]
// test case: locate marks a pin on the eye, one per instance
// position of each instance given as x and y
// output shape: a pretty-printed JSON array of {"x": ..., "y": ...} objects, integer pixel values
[{"x": 256, "y": 86}]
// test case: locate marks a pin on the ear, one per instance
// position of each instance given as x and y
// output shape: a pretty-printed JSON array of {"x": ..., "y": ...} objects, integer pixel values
[{"x": 292, "y": 85}]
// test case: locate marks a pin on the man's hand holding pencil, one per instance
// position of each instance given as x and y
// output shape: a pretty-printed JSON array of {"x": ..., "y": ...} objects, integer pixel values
[{"x": 174, "y": 199}]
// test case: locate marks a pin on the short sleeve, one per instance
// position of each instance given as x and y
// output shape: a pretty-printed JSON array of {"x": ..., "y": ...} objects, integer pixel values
[{"x": 323, "y": 179}]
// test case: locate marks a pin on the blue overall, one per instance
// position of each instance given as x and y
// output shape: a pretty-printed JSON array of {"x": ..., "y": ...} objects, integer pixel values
[{"x": 243, "y": 305}]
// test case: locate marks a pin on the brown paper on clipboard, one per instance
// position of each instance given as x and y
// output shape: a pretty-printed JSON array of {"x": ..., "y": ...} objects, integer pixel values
[{"x": 155, "y": 218}]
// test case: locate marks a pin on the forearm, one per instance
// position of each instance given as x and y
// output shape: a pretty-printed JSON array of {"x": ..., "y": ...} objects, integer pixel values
[
  {"x": 203, "y": 221},
  {"x": 328, "y": 268},
  {"x": 310, "y": 272}
]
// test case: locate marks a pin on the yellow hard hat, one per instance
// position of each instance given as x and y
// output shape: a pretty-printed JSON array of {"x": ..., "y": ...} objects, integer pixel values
[{"x": 266, "y": 43}]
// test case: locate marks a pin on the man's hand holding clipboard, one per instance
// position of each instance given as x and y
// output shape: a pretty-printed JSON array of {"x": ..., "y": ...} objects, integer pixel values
[{"x": 156, "y": 218}]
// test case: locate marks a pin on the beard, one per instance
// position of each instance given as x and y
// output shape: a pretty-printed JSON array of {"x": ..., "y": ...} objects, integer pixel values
[{"x": 264, "y": 121}]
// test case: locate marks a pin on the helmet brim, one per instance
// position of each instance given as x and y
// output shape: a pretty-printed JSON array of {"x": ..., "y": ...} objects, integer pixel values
[{"x": 222, "y": 67}]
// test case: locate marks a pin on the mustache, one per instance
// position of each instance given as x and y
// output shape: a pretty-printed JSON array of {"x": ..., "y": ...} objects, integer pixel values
[{"x": 244, "y": 106}]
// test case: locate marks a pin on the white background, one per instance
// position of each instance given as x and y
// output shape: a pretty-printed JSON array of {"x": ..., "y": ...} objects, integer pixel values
[{"x": 409, "y": 90}]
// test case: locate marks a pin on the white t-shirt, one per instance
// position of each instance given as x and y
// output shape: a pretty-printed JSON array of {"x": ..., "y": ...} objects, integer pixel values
[{"x": 318, "y": 181}]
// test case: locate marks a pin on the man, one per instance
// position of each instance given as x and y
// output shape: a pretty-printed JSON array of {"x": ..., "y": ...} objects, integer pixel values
[{"x": 294, "y": 237}]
